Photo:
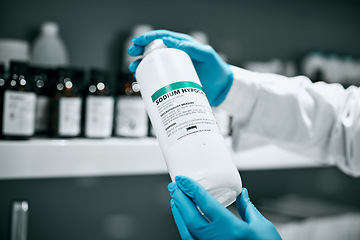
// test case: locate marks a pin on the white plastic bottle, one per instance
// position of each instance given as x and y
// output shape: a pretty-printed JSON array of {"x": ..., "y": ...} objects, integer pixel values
[
  {"x": 49, "y": 50},
  {"x": 189, "y": 137}
]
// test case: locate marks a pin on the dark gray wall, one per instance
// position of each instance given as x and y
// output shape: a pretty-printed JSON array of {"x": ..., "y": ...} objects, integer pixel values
[{"x": 244, "y": 30}]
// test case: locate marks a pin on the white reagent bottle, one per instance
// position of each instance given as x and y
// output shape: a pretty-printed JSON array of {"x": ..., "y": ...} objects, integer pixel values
[
  {"x": 186, "y": 129},
  {"x": 49, "y": 49}
]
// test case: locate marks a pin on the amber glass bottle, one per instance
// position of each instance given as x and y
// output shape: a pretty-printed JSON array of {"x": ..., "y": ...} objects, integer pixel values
[
  {"x": 131, "y": 117},
  {"x": 2, "y": 88},
  {"x": 19, "y": 102},
  {"x": 39, "y": 78},
  {"x": 99, "y": 106},
  {"x": 66, "y": 114}
]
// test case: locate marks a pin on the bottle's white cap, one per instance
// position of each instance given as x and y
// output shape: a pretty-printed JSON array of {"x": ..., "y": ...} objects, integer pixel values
[
  {"x": 141, "y": 29},
  {"x": 200, "y": 36},
  {"x": 156, "y": 44},
  {"x": 50, "y": 28}
]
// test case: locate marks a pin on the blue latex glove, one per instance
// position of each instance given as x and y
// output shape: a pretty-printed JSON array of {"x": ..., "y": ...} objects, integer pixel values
[
  {"x": 215, "y": 75},
  {"x": 216, "y": 222}
]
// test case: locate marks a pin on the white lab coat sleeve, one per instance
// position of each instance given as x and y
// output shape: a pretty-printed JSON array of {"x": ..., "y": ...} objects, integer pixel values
[{"x": 318, "y": 120}]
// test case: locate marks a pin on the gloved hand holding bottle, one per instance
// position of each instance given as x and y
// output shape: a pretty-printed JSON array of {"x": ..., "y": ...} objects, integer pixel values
[
  {"x": 215, "y": 75},
  {"x": 200, "y": 216}
]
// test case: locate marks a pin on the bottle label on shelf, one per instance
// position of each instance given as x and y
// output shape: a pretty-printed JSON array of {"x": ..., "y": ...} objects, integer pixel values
[
  {"x": 19, "y": 113},
  {"x": 131, "y": 117},
  {"x": 42, "y": 113},
  {"x": 184, "y": 110},
  {"x": 99, "y": 116},
  {"x": 69, "y": 116}
]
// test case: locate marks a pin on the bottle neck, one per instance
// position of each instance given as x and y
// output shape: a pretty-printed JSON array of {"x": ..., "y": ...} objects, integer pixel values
[{"x": 153, "y": 46}]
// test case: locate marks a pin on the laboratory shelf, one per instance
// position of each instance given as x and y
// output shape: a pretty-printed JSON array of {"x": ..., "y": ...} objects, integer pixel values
[{"x": 49, "y": 158}]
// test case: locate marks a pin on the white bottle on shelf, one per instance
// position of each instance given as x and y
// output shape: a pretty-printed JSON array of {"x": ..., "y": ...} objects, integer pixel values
[
  {"x": 49, "y": 49},
  {"x": 186, "y": 129}
]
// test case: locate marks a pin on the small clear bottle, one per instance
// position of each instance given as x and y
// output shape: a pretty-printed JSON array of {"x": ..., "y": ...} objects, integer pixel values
[
  {"x": 19, "y": 103},
  {"x": 99, "y": 106},
  {"x": 186, "y": 129},
  {"x": 66, "y": 115},
  {"x": 131, "y": 118}
]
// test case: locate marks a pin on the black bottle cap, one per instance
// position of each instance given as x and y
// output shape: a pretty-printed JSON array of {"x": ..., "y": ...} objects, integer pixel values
[
  {"x": 125, "y": 82},
  {"x": 75, "y": 75},
  {"x": 64, "y": 73},
  {"x": 35, "y": 70},
  {"x": 79, "y": 78},
  {"x": 39, "y": 78},
  {"x": 19, "y": 67},
  {"x": 2, "y": 77},
  {"x": 38, "y": 72},
  {"x": 98, "y": 75},
  {"x": 101, "y": 76}
]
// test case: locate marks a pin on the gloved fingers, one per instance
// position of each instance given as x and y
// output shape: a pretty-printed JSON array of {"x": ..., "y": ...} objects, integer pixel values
[
  {"x": 187, "y": 209},
  {"x": 183, "y": 230},
  {"x": 133, "y": 66},
  {"x": 246, "y": 208},
  {"x": 148, "y": 37},
  {"x": 135, "y": 50},
  {"x": 211, "y": 208},
  {"x": 140, "y": 42},
  {"x": 195, "y": 50}
]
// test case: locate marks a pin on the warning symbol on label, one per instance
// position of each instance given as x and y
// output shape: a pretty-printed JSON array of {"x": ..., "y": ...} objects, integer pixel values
[{"x": 190, "y": 128}]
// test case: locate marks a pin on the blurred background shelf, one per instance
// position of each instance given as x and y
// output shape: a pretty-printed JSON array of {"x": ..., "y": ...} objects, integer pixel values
[
  {"x": 48, "y": 158},
  {"x": 117, "y": 188}
]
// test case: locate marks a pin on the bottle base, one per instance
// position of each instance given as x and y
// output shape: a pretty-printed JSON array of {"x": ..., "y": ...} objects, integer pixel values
[
  {"x": 226, "y": 196},
  {"x": 15, "y": 137},
  {"x": 224, "y": 185}
]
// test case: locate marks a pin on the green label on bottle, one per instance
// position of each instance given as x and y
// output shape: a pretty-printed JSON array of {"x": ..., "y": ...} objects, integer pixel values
[
  {"x": 175, "y": 89},
  {"x": 184, "y": 111}
]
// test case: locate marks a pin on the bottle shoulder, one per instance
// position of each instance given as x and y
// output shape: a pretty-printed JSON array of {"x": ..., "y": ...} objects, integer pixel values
[
  {"x": 165, "y": 56},
  {"x": 166, "y": 51},
  {"x": 48, "y": 40}
]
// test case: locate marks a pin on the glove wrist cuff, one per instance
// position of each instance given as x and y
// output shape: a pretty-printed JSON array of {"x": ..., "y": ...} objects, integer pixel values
[{"x": 224, "y": 92}]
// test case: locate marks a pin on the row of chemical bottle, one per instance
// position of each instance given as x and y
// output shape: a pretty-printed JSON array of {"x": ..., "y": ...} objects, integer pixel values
[
  {"x": 332, "y": 68},
  {"x": 317, "y": 65},
  {"x": 58, "y": 103}
]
